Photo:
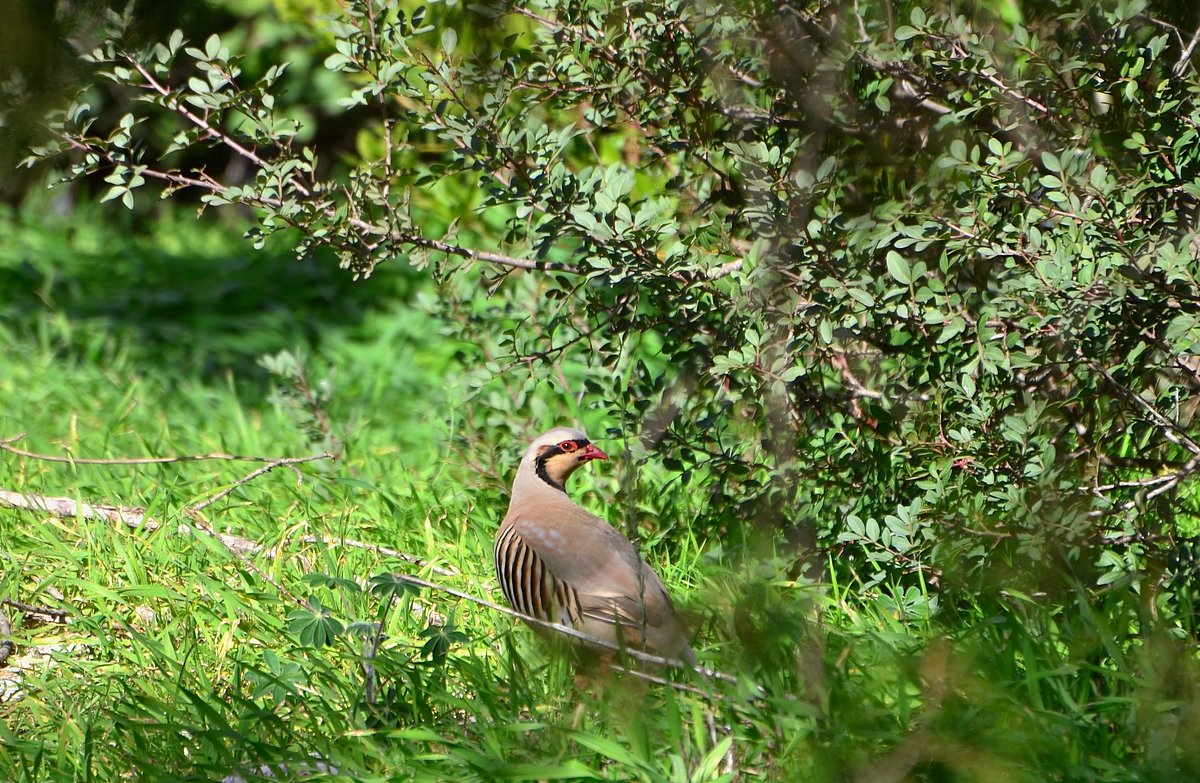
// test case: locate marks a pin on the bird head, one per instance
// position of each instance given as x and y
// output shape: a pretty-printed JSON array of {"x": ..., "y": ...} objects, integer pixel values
[{"x": 555, "y": 455}]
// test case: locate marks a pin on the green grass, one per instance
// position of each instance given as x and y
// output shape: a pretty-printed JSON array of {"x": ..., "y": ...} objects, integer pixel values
[{"x": 183, "y": 661}]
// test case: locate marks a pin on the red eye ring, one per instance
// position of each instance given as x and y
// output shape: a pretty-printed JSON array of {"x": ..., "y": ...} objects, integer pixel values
[{"x": 568, "y": 446}]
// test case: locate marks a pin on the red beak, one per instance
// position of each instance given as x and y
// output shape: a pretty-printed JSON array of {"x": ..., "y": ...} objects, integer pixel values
[{"x": 591, "y": 452}]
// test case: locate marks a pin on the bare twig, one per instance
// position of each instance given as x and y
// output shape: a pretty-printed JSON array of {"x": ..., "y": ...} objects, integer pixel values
[
  {"x": 7, "y": 646},
  {"x": 725, "y": 270},
  {"x": 1161, "y": 484},
  {"x": 6, "y": 445},
  {"x": 1186, "y": 57},
  {"x": 474, "y": 255},
  {"x": 54, "y": 615},
  {"x": 1171, "y": 430},
  {"x": 657, "y": 680},
  {"x": 1147, "y": 482},
  {"x": 67, "y": 508},
  {"x": 566, "y": 630},
  {"x": 382, "y": 550},
  {"x": 196, "y": 508}
]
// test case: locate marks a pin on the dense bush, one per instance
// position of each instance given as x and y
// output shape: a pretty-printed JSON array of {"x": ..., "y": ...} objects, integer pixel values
[{"x": 886, "y": 298}]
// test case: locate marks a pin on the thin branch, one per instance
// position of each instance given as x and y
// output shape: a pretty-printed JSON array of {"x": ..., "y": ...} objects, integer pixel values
[
  {"x": 1143, "y": 483},
  {"x": 196, "y": 508},
  {"x": 6, "y": 445},
  {"x": 1171, "y": 430},
  {"x": 1185, "y": 58},
  {"x": 401, "y": 237},
  {"x": 654, "y": 678},
  {"x": 381, "y": 550},
  {"x": 474, "y": 255},
  {"x": 725, "y": 269},
  {"x": 54, "y": 615},
  {"x": 215, "y": 187},
  {"x": 1161, "y": 484},
  {"x": 7, "y": 646},
  {"x": 174, "y": 105},
  {"x": 566, "y": 630}
]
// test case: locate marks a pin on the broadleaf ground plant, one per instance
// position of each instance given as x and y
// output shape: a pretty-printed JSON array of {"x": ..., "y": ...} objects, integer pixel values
[{"x": 893, "y": 304}]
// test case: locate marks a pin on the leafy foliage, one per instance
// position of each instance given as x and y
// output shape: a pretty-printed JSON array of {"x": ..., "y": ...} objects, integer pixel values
[{"x": 894, "y": 307}]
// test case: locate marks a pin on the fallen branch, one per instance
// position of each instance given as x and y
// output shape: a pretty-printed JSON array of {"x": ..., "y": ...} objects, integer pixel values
[
  {"x": 131, "y": 517},
  {"x": 46, "y": 612},
  {"x": 1184, "y": 59},
  {"x": 67, "y": 508}
]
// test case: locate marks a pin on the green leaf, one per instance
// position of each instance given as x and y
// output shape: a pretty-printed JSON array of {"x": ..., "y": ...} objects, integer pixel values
[
  {"x": 706, "y": 770},
  {"x": 314, "y": 627},
  {"x": 861, "y": 296},
  {"x": 1180, "y": 332},
  {"x": 608, "y": 748},
  {"x": 392, "y": 585},
  {"x": 899, "y": 268}
]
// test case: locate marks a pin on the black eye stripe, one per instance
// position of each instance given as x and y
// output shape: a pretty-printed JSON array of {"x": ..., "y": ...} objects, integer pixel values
[{"x": 562, "y": 447}]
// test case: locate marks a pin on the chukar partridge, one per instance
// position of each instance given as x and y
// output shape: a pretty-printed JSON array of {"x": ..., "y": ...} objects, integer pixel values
[{"x": 558, "y": 563}]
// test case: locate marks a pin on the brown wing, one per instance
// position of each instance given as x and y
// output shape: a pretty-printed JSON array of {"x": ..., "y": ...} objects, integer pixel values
[{"x": 614, "y": 595}]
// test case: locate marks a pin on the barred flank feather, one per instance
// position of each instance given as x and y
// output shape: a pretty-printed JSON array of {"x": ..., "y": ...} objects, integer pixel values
[{"x": 529, "y": 587}]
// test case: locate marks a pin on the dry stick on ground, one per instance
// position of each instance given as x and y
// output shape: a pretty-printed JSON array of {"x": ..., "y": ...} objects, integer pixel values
[
  {"x": 136, "y": 518},
  {"x": 45, "y": 612},
  {"x": 66, "y": 507}
]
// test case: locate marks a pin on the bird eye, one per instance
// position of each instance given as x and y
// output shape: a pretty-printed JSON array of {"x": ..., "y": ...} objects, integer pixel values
[{"x": 568, "y": 446}]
